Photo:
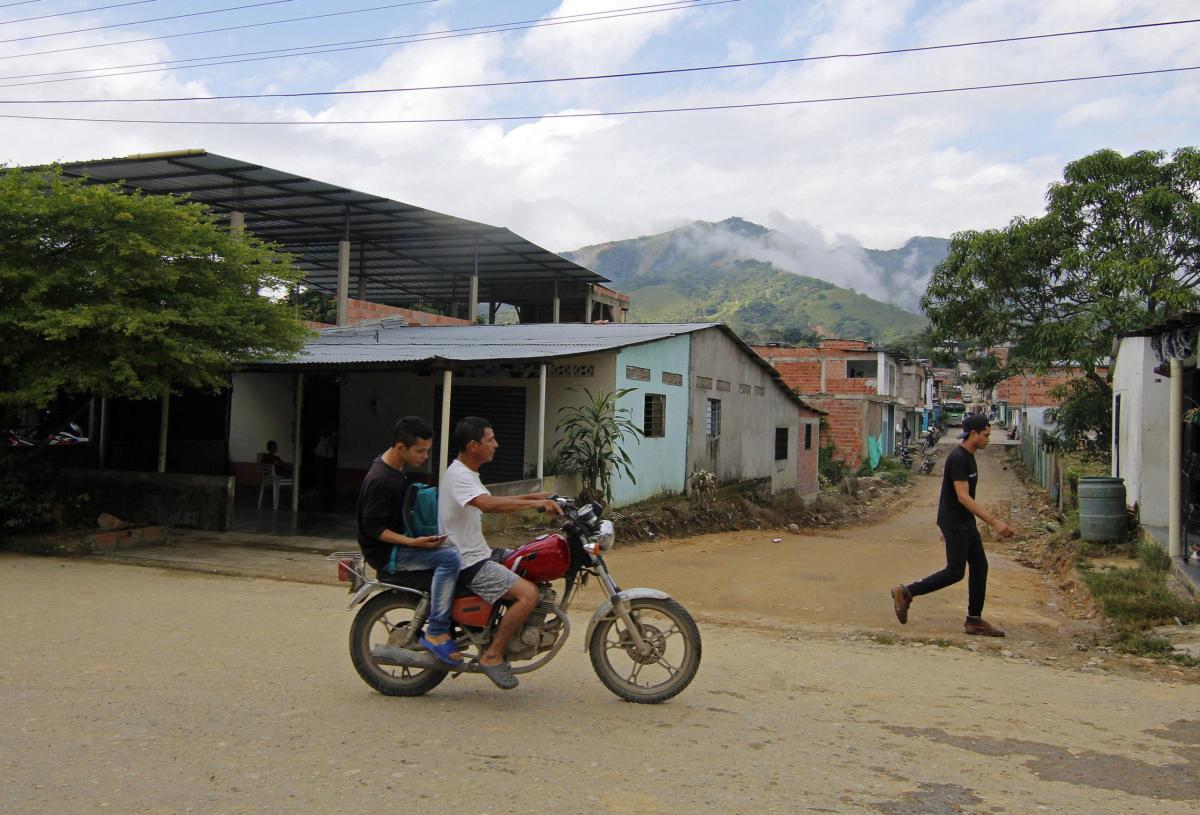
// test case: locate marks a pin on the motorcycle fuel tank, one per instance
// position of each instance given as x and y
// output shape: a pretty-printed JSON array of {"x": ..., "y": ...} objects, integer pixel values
[{"x": 542, "y": 559}]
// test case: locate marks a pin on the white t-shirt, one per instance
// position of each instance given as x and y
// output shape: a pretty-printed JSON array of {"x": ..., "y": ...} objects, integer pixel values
[{"x": 457, "y": 518}]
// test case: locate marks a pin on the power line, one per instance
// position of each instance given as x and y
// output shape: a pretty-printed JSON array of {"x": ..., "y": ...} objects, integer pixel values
[
  {"x": 140, "y": 22},
  {"x": 404, "y": 39},
  {"x": 598, "y": 114},
  {"x": 76, "y": 11},
  {"x": 21, "y": 3},
  {"x": 219, "y": 30},
  {"x": 589, "y": 77}
]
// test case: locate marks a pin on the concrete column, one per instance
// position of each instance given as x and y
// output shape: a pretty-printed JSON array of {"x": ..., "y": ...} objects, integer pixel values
[
  {"x": 362, "y": 278},
  {"x": 296, "y": 449},
  {"x": 1175, "y": 462},
  {"x": 343, "y": 291},
  {"x": 587, "y": 306},
  {"x": 473, "y": 297},
  {"x": 556, "y": 307},
  {"x": 444, "y": 445},
  {"x": 237, "y": 222},
  {"x": 541, "y": 447},
  {"x": 163, "y": 418},
  {"x": 102, "y": 458}
]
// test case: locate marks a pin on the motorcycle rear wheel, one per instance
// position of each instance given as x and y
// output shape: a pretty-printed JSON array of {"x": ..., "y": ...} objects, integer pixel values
[
  {"x": 385, "y": 619},
  {"x": 669, "y": 668}
]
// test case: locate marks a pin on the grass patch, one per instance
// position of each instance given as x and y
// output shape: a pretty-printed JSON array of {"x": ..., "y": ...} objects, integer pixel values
[{"x": 1138, "y": 598}]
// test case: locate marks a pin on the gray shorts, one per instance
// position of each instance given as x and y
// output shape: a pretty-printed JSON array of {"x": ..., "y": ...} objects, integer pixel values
[{"x": 492, "y": 581}]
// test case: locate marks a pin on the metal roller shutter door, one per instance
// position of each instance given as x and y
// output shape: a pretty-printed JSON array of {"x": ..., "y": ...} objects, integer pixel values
[{"x": 505, "y": 409}]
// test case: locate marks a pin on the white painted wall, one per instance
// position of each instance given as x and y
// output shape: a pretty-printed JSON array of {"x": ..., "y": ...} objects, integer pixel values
[
  {"x": 1144, "y": 429},
  {"x": 262, "y": 408},
  {"x": 746, "y": 447}
]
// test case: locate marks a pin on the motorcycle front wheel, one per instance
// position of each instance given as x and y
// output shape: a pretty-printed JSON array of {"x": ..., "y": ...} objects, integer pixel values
[
  {"x": 386, "y": 619},
  {"x": 662, "y": 672}
]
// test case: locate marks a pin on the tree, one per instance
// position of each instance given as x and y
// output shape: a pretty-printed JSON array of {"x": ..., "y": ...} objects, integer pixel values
[
  {"x": 113, "y": 294},
  {"x": 1117, "y": 249},
  {"x": 591, "y": 443}
]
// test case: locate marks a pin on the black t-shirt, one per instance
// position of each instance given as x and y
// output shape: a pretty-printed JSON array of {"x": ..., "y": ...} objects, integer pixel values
[
  {"x": 380, "y": 507},
  {"x": 960, "y": 466}
]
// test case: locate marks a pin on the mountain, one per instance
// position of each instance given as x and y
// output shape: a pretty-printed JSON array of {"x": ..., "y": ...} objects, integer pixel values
[{"x": 769, "y": 284}]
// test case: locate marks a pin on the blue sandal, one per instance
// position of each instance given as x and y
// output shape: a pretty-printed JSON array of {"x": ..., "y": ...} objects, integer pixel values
[{"x": 443, "y": 650}]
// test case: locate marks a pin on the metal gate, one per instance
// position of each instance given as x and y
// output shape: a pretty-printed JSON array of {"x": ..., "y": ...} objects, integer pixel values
[{"x": 505, "y": 409}]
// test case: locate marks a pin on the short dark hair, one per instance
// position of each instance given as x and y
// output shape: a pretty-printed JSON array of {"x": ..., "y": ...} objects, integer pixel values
[
  {"x": 469, "y": 429},
  {"x": 409, "y": 429},
  {"x": 272, "y": 444}
]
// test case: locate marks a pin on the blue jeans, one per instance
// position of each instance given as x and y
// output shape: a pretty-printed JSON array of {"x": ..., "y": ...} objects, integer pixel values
[{"x": 444, "y": 562}]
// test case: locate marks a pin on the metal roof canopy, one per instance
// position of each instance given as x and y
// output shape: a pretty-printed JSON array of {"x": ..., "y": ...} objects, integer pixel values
[
  {"x": 405, "y": 255},
  {"x": 395, "y": 345}
]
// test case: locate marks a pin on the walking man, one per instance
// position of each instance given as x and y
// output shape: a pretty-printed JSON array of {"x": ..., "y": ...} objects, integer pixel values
[{"x": 957, "y": 511}]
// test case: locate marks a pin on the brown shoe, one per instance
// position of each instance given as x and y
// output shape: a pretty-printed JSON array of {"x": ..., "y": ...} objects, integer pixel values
[
  {"x": 901, "y": 600},
  {"x": 983, "y": 628}
]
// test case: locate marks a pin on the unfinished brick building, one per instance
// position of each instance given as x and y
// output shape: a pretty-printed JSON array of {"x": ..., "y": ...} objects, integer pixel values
[{"x": 866, "y": 391}]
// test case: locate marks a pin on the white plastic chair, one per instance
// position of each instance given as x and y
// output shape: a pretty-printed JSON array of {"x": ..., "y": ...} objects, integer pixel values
[{"x": 267, "y": 475}]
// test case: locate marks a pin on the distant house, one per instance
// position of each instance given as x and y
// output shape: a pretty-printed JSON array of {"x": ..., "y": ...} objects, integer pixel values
[
  {"x": 867, "y": 391},
  {"x": 1030, "y": 393},
  {"x": 703, "y": 399},
  {"x": 1156, "y": 429}
]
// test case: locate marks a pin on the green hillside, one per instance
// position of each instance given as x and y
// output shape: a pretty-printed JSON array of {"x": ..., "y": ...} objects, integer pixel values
[{"x": 701, "y": 272}]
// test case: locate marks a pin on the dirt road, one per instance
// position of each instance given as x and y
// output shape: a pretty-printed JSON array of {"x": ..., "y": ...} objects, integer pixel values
[{"x": 143, "y": 690}]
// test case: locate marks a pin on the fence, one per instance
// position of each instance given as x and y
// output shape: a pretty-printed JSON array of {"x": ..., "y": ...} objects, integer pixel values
[{"x": 1042, "y": 465}]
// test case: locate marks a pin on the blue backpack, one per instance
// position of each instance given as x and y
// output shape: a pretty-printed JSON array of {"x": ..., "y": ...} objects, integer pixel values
[{"x": 420, "y": 510}]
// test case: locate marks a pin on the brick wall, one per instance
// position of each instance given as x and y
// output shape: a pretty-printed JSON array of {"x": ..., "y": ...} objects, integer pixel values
[
  {"x": 845, "y": 420},
  {"x": 361, "y": 311},
  {"x": 801, "y": 367},
  {"x": 1034, "y": 391}
]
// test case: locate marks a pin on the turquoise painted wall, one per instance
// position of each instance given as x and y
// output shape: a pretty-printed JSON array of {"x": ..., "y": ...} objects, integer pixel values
[{"x": 659, "y": 464}]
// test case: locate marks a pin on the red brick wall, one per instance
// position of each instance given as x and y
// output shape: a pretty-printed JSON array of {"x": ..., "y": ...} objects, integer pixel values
[
  {"x": 845, "y": 421},
  {"x": 360, "y": 311},
  {"x": 845, "y": 345},
  {"x": 1034, "y": 391},
  {"x": 801, "y": 367}
]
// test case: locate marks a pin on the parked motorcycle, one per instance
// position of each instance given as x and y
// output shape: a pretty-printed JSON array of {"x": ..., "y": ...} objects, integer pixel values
[
  {"x": 644, "y": 646},
  {"x": 73, "y": 434}
]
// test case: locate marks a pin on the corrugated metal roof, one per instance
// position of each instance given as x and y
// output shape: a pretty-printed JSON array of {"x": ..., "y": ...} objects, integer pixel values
[
  {"x": 393, "y": 341},
  {"x": 393, "y": 344},
  {"x": 405, "y": 254}
]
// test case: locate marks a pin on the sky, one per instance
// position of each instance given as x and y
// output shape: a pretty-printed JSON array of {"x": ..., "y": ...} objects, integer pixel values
[{"x": 866, "y": 172}]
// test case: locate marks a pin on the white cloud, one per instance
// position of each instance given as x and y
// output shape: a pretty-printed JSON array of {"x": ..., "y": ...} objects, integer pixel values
[{"x": 878, "y": 170}]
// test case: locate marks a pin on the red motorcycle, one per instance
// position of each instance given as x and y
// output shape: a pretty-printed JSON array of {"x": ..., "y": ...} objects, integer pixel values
[{"x": 644, "y": 646}]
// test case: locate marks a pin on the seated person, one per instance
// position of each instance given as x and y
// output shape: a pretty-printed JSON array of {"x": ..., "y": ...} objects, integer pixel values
[
  {"x": 383, "y": 542},
  {"x": 462, "y": 500},
  {"x": 282, "y": 468}
]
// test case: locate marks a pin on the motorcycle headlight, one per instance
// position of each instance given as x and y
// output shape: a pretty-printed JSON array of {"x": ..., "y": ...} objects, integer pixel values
[{"x": 606, "y": 536}]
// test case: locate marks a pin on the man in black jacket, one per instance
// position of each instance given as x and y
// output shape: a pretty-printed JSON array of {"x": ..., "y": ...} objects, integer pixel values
[{"x": 957, "y": 511}]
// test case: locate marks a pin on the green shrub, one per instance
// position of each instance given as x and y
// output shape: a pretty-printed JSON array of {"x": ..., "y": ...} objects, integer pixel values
[{"x": 25, "y": 491}]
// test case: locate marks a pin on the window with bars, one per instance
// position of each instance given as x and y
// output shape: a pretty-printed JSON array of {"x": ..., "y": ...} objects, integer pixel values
[
  {"x": 781, "y": 444},
  {"x": 654, "y": 416},
  {"x": 712, "y": 417}
]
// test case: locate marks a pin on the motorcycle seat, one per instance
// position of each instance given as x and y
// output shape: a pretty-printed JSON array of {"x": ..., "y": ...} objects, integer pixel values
[{"x": 420, "y": 581}]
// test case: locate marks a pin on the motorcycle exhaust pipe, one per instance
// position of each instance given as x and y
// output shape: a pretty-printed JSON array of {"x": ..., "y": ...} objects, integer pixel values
[{"x": 421, "y": 660}]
